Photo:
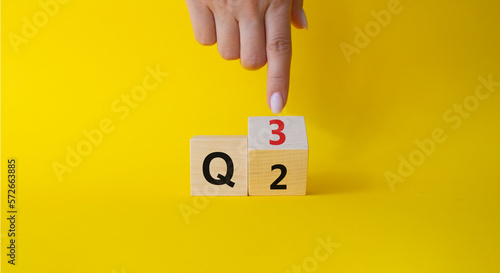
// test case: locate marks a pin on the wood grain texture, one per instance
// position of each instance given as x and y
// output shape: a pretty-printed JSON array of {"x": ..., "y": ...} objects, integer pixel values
[
  {"x": 293, "y": 154},
  {"x": 261, "y": 176},
  {"x": 236, "y": 148}
]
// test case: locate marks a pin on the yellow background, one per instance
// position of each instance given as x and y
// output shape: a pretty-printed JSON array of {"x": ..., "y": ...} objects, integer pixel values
[{"x": 118, "y": 211}]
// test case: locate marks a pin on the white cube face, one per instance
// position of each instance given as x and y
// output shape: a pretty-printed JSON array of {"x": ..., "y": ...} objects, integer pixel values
[{"x": 277, "y": 133}]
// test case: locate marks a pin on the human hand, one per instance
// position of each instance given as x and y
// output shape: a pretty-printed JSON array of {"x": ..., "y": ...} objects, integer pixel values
[{"x": 254, "y": 31}]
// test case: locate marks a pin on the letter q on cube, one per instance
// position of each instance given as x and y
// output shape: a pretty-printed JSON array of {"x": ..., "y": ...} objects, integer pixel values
[{"x": 219, "y": 166}]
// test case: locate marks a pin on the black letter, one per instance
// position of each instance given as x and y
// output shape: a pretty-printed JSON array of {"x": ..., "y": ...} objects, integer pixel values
[{"x": 223, "y": 179}]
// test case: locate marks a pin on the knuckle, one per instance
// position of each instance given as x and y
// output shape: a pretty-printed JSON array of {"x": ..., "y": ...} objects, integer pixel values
[
  {"x": 253, "y": 62},
  {"x": 206, "y": 40},
  {"x": 280, "y": 44},
  {"x": 223, "y": 6},
  {"x": 229, "y": 54},
  {"x": 251, "y": 9},
  {"x": 236, "y": 8},
  {"x": 280, "y": 8},
  {"x": 280, "y": 79}
]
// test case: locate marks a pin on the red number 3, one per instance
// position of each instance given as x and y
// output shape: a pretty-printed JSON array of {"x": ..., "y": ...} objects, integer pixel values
[{"x": 278, "y": 132}]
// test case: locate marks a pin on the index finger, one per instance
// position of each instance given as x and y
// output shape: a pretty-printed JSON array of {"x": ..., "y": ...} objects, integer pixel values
[{"x": 279, "y": 55}]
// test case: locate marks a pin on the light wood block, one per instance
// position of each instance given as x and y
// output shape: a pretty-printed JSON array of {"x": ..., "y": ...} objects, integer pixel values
[
  {"x": 277, "y": 146},
  {"x": 219, "y": 166}
]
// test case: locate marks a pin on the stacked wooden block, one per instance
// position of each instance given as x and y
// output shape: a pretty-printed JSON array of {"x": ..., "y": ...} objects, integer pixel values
[{"x": 272, "y": 160}]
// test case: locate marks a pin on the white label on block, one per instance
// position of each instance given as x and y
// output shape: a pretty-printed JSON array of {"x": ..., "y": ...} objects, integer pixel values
[{"x": 277, "y": 133}]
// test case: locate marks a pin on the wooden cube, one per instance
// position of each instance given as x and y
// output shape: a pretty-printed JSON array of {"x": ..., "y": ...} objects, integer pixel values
[
  {"x": 219, "y": 166},
  {"x": 278, "y": 155}
]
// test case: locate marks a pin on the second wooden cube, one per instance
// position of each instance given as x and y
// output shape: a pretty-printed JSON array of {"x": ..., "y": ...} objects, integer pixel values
[{"x": 278, "y": 155}]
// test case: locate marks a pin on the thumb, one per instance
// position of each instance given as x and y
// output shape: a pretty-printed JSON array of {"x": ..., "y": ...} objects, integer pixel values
[{"x": 299, "y": 19}]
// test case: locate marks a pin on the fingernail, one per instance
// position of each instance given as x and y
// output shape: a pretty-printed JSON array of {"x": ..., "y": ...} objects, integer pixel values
[
  {"x": 303, "y": 18},
  {"x": 276, "y": 103}
]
